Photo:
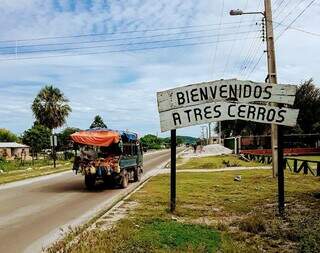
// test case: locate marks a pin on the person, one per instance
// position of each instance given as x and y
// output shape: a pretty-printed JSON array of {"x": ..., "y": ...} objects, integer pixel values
[
  {"x": 194, "y": 148},
  {"x": 23, "y": 154}
]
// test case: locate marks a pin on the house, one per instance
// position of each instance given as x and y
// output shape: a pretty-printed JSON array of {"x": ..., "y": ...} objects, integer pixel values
[{"x": 11, "y": 150}]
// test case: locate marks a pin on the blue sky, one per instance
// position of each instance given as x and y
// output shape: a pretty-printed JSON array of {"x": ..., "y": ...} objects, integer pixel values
[{"x": 121, "y": 86}]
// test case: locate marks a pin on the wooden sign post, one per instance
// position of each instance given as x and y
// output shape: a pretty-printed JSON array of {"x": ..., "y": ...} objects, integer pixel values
[
  {"x": 220, "y": 100},
  {"x": 173, "y": 171}
]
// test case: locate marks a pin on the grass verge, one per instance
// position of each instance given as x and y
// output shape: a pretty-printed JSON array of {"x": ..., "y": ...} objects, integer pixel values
[
  {"x": 215, "y": 162},
  {"x": 214, "y": 214},
  {"x": 33, "y": 171}
]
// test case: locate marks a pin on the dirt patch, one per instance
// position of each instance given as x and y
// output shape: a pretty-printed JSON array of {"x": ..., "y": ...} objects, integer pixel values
[{"x": 118, "y": 212}]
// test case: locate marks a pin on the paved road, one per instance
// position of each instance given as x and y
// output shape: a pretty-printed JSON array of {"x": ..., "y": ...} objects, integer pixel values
[{"x": 30, "y": 212}]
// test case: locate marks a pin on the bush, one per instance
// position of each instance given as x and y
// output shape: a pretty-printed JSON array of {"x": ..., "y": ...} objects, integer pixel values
[{"x": 253, "y": 224}]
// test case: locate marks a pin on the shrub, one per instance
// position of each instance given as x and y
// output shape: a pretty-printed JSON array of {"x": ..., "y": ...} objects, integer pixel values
[{"x": 253, "y": 224}]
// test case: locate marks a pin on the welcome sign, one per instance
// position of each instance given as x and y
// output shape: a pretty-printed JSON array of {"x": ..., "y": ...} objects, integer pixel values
[{"x": 225, "y": 100}]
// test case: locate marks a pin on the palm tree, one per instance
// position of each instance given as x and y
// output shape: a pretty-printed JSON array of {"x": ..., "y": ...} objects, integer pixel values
[{"x": 50, "y": 107}]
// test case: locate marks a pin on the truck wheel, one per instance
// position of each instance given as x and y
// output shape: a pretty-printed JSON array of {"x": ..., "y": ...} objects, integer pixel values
[
  {"x": 89, "y": 181},
  {"x": 137, "y": 174},
  {"x": 124, "y": 180}
]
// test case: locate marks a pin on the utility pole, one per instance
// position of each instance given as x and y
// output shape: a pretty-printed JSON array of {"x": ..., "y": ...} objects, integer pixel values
[
  {"x": 276, "y": 131},
  {"x": 272, "y": 78}
]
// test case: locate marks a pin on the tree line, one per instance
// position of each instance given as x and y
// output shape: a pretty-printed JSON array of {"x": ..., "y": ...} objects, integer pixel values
[
  {"x": 50, "y": 109},
  {"x": 151, "y": 141}
]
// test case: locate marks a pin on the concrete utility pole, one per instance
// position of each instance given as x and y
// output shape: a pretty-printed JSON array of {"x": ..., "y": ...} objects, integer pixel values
[
  {"x": 272, "y": 78},
  {"x": 276, "y": 131}
]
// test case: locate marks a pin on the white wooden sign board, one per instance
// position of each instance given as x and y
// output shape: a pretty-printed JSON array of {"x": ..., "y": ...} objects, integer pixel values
[
  {"x": 218, "y": 111},
  {"x": 219, "y": 100},
  {"x": 225, "y": 90}
]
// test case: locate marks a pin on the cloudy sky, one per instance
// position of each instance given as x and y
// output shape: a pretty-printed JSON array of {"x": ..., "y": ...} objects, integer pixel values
[{"x": 110, "y": 57}]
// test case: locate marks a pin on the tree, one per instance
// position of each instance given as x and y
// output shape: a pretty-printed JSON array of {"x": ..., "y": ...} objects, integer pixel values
[
  {"x": 151, "y": 141},
  {"x": 98, "y": 122},
  {"x": 50, "y": 107},
  {"x": 64, "y": 136},
  {"x": 308, "y": 102},
  {"x": 7, "y": 136},
  {"x": 37, "y": 137}
]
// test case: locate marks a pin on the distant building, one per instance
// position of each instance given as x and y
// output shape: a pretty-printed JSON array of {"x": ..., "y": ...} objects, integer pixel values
[{"x": 11, "y": 150}]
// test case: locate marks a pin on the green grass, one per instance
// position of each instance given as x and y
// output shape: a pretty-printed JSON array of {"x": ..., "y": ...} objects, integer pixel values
[
  {"x": 216, "y": 162},
  {"x": 170, "y": 235},
  {"x": 153, "y": 235},
  {"x": 214, "y": 214},
  {"x": 14, "y": 171},
  {"x": 13, "y": 165}
]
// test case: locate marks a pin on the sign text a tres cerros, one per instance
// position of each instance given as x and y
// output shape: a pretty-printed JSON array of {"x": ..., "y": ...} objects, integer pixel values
[
  {"x": 225, "y": 90},
  {"x": 218, "y": 111}
]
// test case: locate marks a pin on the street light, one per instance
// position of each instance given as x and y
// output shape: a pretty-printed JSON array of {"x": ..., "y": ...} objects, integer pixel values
[
  {"x": 239, "y": 12},
  {"x": 236, "y": 12}
]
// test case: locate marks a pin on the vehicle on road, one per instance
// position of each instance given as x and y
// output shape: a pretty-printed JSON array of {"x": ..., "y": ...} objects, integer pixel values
[{"x": 116, "y": 157}]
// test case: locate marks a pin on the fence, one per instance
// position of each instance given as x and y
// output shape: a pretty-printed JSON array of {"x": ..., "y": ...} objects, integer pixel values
[
  {"x": 289, "y": 141},
  {"x": 297, "y": 165},
  {"x": 293, "y": 164}
]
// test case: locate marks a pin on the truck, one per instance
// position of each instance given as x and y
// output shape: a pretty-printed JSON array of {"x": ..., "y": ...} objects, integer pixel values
[{"x": 112, "y": 156}]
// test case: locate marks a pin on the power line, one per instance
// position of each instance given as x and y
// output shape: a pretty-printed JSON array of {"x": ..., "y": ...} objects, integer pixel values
[
  {"x": 250, "y": 56},
  {"x": 300, "y": 29},
  {"x": 288, "y": 27},
  {"x": 233, "y": 43},
  {"x": 290, "y": 12},
  {"x": 295, "y": 19},
  {"x": 278, "y": 7},
  {"x": 252, "y": 43},
  {"x": 118, "y": 51},
  {"x": 255, "y": 66},
  {"x": 251, "y": 62},
  {"x": 282, "y": 10},
  {"x": 113, "y": 33},
  {"x": 109, "y": 40},
  {"x": 121, "y": 44},
  {"x": 216, "y": 46}
]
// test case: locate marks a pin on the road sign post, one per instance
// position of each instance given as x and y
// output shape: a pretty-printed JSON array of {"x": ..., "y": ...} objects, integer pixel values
[
  {"x": 173, "y": 171},
  {"x": 280, "y": 166}
]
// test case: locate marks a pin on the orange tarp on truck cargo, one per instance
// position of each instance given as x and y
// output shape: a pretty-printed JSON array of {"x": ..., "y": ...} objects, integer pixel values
[{"x": 96, "y": 138}]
